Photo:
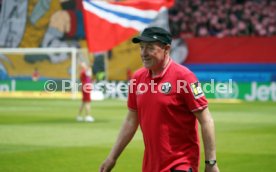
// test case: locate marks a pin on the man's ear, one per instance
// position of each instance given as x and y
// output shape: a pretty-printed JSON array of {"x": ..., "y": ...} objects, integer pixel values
[{"x": 167, "y": 49}]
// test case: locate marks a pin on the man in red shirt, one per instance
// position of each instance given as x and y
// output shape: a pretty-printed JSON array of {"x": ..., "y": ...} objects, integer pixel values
[
  {"x": 166, "y": 100},
  {"x": 86, "y": 88}
]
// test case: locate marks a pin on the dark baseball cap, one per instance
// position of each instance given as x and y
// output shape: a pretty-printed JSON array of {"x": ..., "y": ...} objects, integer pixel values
[{"x": 154, "y": 34}]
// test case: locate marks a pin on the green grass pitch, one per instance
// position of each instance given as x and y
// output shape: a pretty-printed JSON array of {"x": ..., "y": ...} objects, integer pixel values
[{"x": 40, "y": 135}]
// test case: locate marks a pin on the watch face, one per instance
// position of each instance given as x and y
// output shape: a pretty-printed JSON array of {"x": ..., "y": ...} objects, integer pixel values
[{"x": 211, "y": 162}]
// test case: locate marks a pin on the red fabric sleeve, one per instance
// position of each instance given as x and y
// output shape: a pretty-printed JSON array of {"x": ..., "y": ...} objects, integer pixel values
[
  {"x": 131, "y": 103},
  {"x": 193, "y": 94}
]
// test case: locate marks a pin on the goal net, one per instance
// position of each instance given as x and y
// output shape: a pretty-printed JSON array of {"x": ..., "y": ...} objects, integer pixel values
[{"x": 28, "y": 69}]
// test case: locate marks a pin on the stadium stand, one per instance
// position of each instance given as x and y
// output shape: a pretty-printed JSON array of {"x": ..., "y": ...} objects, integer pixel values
[
  {"x": 228, "y": 38},
  {"x": 201, "y": 18}
]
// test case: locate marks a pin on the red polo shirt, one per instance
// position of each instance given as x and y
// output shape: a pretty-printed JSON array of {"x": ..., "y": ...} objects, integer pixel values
[
  {"x": 86, "y": 86},
  {"x": 165, "y": 111}
]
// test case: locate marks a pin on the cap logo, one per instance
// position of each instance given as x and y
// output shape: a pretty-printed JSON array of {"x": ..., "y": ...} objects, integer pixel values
[{"x": 155, "y": 37}]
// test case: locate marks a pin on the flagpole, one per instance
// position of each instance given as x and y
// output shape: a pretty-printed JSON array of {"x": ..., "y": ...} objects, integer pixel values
[{"x": 106, "y": 65}]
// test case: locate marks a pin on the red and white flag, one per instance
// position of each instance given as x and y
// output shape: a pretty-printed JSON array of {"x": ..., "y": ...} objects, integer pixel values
[{"x": 108, "y": 24}]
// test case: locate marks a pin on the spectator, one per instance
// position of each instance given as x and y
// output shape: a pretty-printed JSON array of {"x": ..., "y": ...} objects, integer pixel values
[{"x": 35, "y": 75}]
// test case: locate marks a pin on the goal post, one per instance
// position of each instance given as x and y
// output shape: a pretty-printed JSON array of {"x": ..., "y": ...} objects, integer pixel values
[{"x": 6, "y": 52}]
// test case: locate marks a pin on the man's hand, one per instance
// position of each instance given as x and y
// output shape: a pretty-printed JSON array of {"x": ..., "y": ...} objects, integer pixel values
[
  {"x": 107, "y": 165},
  {"x": 209, "y": 168}
]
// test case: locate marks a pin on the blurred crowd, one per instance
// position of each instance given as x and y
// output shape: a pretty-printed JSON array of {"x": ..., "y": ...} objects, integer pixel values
[{"x": 221, "y": 18}]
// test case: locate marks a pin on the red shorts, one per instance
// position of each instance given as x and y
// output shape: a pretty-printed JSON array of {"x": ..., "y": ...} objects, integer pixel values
[{"x": 86, "y": 97}]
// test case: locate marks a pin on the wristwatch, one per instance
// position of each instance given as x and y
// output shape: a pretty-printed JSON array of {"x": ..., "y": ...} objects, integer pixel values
[{"x": 211, "y": 162}]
